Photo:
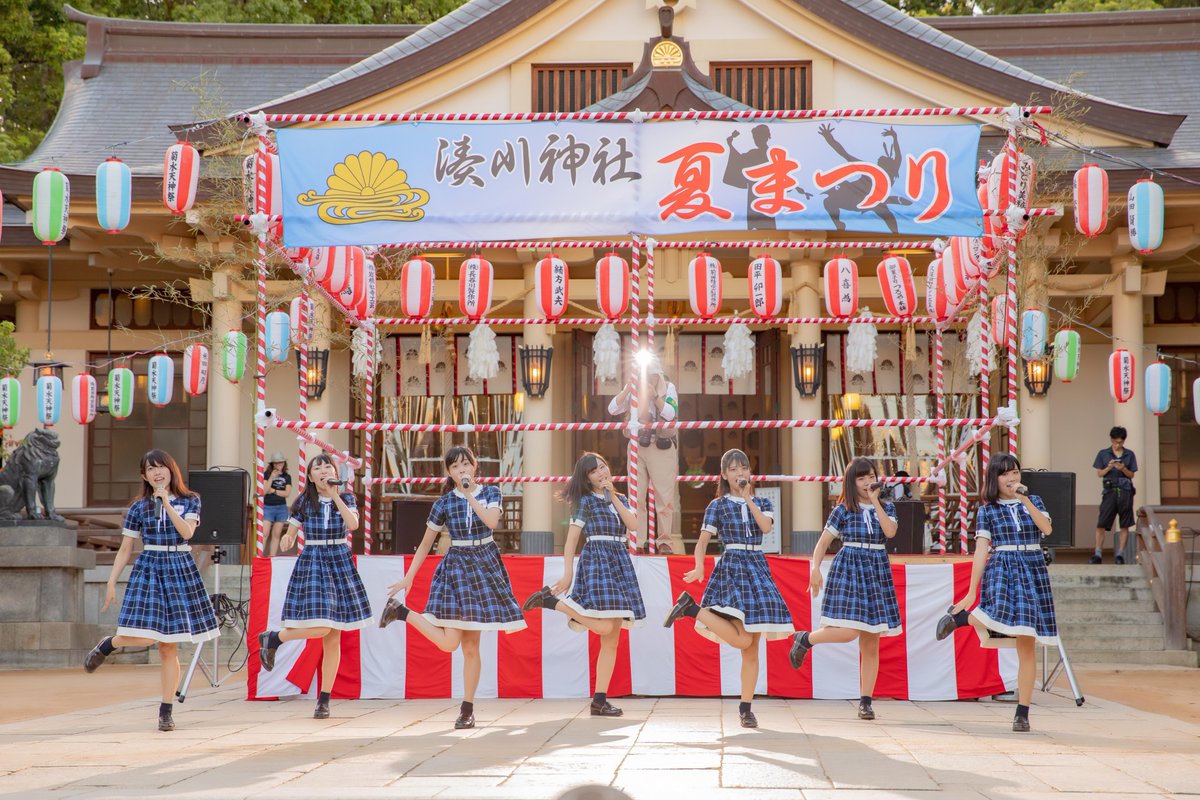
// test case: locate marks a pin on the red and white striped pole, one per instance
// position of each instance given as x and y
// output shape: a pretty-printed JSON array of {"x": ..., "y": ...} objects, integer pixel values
[
  {"x": 651, "y": 504},
  {"x": 368, "y": 456},
  {"x": 302, "y": 355},
  {"x": 651, "y": 522},
  {"x": 260, "y": 372},
  {"x": 634, "y": 373},
  {"x": 939, "y": 365},
  {"x": 1010, "y": 246}
]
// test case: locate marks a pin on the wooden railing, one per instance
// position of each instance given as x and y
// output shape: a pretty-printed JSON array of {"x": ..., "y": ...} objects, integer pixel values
[{"x": 1163, "y": 560}]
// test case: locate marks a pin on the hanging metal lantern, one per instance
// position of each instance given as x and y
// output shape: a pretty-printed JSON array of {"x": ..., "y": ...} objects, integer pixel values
[
  {"x": 1120, "y": 375},
  {"x": 51, "y": 206},
  {"x": 416, "y": 288},
  {"x": 120, "y": 392},
  {"x": 160, "y": 379},
  {"x": 277, "y": 335},
  {"x": 114, "y": 194},
  {"x": 704, "y": 285},
  {"x": 1158, "y": 388},
  {"x": 233, "y": 356},
  {"x": 1067, "y": 346},
  {"x": 612, "y": 285},
  {"x": 83, "y": 398},
  {"x": 551, "y": 286},
  {"x": 1091, "y": 200},
  {"x": 10, "y": 401},
  {"x": 1033, "y": 334},
  {"x": 475, "y": 281},
  {"x": 1145, "y": 216},
  {"x": 841, "y": 287},
  {"x": 765, "y": 277},
  {"x": 896, "y": 284},
  {"x": 49, "y": 399},
  {"x": 195, "y": 369},
  {"x": 181, "y": 176}
]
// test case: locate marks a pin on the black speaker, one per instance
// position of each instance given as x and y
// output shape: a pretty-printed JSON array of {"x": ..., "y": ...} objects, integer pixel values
[
  {"x": 223, "y": 495},
  {"x": 1057, "y": 490},
  {"x": 910, "y": 528},
  {"x": 409, "y": 517}
]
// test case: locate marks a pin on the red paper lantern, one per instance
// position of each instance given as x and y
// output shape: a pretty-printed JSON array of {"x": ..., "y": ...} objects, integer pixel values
[
  {"x": 195, "y": 369},
  {"x": 181, "y": 174},
  {"x": 612, "y": 285},
  {"x": 841, "y": 287},
  {"x": 335, "y": 267},
  {"x": 896, "y": 283},
  {"x": 551, "y": 286},
  {"x": 365, "y": 307},
  {"x": 942, "y": 295},
  {"x": 1000, "y": 319},
  {"x": 765, "y": 277},
  {"x": 704, "y": 285},
  {"x": 416, "y": 288},
  {"x": 992, "y": 229},
  {"x": 1091, "y": 200},
  {"x": 475, "y": 282},
  {"x": 1120, "y": 375}
]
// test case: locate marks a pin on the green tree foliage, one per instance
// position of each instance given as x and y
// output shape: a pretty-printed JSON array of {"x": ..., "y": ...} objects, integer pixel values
[
  {"x": 36, "y": 39},
  {"x": 954, "y": 8}
]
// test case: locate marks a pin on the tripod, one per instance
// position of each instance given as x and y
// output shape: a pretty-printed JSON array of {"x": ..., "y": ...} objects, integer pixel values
[
  {"x": 218, "y": 600},
  {"x": 1063, "y": 665}
]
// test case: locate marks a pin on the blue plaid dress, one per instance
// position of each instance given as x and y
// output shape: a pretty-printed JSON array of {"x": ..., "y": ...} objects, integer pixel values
[
  {"x": 741, "y": 586},
  {"x": 470, "y": 587},
  {"x": 859, "y": 592},
  {"x": 1014, "y": 595},
  {"x": 324, "y": 590},
  {"x": 165, "y": 599},
  {"x": 605, "y": 584}
]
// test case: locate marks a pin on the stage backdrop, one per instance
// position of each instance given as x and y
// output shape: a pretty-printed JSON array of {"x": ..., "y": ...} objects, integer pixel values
[
  {"x": 549, "y": 660},
  {"x": 532, "y": 180}
]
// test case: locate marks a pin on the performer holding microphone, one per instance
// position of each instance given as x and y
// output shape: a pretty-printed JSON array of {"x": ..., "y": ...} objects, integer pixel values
[
  {"x": 741, "y": 602},
  {"x": 860, "y": 598},
  {"x": 605, "y": 596},
  {"x": 470, "y": 591},
  {"x": 325, "y": 595},
  {"x": 165, "y": 601},
  {"x": 1016, "y": 606}
]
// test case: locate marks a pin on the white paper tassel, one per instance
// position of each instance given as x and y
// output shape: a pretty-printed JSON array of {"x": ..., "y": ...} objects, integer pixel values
[
  {"x": 974, "y": 346},
  {"x": 359, "y": 353},
  {"x": 483, "y": 357},
  {"x": 860, "y": 347},
  {"x": 606, "y": 353},
  {"x": 425, "y": 352},
  {"x": 738, "y": 360}
]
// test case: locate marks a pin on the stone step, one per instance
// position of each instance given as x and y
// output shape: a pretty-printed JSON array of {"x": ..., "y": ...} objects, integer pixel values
[
  {"x": 1118, "y": 646},
  {"x": 1105, "y": 630},
  {"x": 1064, "y": 605},
  {"x": 1101, "y": 595},
  {"x": 1166, "y": 658},
  {"x": 1088, "y": 614},
  {"x": 1097, "y": 576}
]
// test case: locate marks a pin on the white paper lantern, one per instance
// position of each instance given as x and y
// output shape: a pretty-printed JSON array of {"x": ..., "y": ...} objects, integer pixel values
[{"x": 704, "y": 285}]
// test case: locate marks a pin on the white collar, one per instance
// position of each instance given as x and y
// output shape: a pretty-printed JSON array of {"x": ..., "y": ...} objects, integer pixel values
[
  {"x": 865, "y": 506},
  {"x": 1013, "y": 502},
  {"x": 474, "y": 491},
  {"x": 598, "y": 494},
  {"x": 740, "y": 500}
]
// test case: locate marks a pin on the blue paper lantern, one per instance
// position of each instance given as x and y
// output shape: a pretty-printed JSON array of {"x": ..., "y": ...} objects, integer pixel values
[
  {"x": 277, "y": 335},
  {"x": 160, "y": 379},
  {"x": 1033, "y": 334},
  {"x": 114, "y": 192},
  {"x": 1145, "y": 216},
  {"x": 49, "y": 399},
  {"x": 1158, "y": 388}
]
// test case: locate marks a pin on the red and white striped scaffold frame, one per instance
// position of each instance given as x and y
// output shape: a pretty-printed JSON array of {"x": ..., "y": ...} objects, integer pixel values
[
  {"x": 623, "y": 479},
  {"x": 939, "y": 365},
  {"x": 261, "y": 205},
  {"x": 1010, "y": 247},
  {"x": 302, "y": 400},
  {"x": 635, "y": 280}
]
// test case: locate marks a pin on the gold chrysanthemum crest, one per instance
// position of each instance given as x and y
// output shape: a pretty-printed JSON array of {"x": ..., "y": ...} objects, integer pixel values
[{"x": 367, "y": 187}]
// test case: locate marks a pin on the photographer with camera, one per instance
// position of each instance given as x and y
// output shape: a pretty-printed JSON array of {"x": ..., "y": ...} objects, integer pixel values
[
  {"x": 658, "y": 453},
  {"x": 1116, "y": 466}
]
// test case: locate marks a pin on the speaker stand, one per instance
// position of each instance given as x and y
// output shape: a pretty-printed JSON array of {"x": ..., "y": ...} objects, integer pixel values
[
  {"x": 1049, "y": 676},
  {"x": 212, "y": 674}
]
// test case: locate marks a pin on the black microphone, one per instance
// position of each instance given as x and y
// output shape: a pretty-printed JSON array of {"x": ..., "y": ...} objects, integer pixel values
[
  {"x": 335, "y": 483},
  {"x": 876, "y": 485},
  {"x": 608, "y": 495},
  {"x": 466, "y": 483},
  {"x": 157, "y": 506},
  {"x": 1023, "y": 490},
  {"x": 742, "y": 483}
]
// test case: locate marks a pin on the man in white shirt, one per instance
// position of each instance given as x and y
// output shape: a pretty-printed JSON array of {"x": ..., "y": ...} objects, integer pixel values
[{"x": 658, "y": 454}]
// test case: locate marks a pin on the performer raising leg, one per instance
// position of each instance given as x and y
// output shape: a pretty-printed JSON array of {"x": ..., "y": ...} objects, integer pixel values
[
  {"x": 470, "y": 591},
  {"x": 165, "y": 601},
  {"x": 1016, "y": 607},
  {"x": 860, "y": 599},
  {"x": 325, "y": 595},
  {"x": 606, "y": 595},
  {"x": 741, "y": 602}
]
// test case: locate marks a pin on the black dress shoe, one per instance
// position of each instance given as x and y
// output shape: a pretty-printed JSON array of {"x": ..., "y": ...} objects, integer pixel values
[
  {"x": 166, "y": 722},
  {"x": 266, "y": 655},
  {"x": 537, "y": 599},
  {"x": 322, "y": 710},
  {"x": 865, "y": 711},
  {"x": 391, "y": 612},
  {"x": 606, "y": 709},
  {"x": 1095, "y": 559},
  {"x": 1021, "y": 724},
  {"x": 465, "y": 720},
  {"x": 946, "y": 625},
  {"x": 683, "y": 604},
  {"x": 748, "y": 719},
  {"x": 94, "y": 659},
  {"x": 799, "y": 650}
]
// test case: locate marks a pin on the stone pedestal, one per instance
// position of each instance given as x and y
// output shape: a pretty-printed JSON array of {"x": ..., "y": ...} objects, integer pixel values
[{"x": 41, "y": 602}]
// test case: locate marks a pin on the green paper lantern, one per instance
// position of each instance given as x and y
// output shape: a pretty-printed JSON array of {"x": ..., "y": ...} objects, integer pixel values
[
  {"x": 10, "y": 401},
  {"x": 1066, "y": 355},
  {"x": 233, "y": 356},
  {"x": 120, "y": 392},
  {"x": 51, "y": 206}
]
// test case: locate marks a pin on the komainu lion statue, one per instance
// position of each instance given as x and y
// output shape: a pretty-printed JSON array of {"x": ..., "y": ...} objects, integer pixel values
[{"x": 28, "y": 473}]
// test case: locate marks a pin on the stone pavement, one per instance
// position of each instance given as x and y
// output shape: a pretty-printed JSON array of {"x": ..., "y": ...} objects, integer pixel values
[{"x": 226, "y": 747}]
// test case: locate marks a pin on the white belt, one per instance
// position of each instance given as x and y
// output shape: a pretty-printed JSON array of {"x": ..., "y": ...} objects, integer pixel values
[
  {"x": 168, "y": 548},
  {"x": 1036, "y": 547},
  {"x": 738, "y": 546},
  {"x": 865, "y": 545},
  {"x": 472, "y": 542},
  {"x": 320, "y": 542},
  {"x": 620, "y": 539}
]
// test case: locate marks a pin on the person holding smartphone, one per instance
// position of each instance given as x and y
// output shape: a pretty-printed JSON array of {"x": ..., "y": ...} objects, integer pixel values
[{"x": 1116, "y": 467}]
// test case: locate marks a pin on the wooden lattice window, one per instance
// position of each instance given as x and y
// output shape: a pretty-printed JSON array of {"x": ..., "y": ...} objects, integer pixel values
[
  {"x": 571, "y": 87},
  {"x": 765, "y": 85}
]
